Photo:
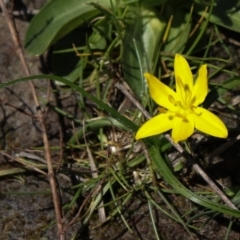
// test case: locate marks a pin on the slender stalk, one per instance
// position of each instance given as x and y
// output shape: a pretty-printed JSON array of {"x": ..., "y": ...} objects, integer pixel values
[{"x": 51, "y": 174}]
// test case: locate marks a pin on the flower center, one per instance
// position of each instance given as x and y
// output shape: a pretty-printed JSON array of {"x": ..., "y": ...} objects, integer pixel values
[
  {"x": 185, "y": 94},
  {"x": 185, "y": 105}
]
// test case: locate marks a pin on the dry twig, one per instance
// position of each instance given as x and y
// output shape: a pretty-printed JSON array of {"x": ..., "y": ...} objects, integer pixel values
[{"x": 51, "y": 174}]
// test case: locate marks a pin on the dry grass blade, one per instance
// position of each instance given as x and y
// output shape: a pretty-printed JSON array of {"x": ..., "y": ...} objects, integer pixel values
[
  {"x": 101, "y": 210},
  {"x": 23, "y": 162}
]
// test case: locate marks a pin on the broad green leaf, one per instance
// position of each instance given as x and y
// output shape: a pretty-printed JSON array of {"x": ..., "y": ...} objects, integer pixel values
[
  {"x": 141, "y": 46},
  {"x": 180, "y": 28},
  {"x": 56, "y": 19},
  {"x": 225, "y": 14}
]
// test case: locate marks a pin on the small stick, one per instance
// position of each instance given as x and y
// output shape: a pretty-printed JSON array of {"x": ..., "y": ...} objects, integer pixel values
[
  {"x": 51, "y": 175},
  {"x": 127, "y": 91},
  {"x": 179, "y": 148}
]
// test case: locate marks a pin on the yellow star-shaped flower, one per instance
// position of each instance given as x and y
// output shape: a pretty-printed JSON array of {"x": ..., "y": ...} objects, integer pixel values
[{"x": 182, "y": 113}]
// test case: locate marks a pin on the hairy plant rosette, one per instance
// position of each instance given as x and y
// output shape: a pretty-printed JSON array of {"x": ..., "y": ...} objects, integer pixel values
[{"x": 182, "y": 112}]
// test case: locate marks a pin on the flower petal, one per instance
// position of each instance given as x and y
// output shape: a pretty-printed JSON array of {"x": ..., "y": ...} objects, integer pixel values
[
  {"x": 182, "y": 128},
  {"x": 156, "y": 125},
  {"x": 162, "y": 94},
  {"x": 209, "y": 123},
  {"x": 200, "y": 88},
  {"x": 183, "y": 75}
]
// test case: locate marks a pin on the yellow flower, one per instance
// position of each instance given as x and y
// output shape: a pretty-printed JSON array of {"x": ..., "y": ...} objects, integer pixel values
[{"x": 182, "y": 113}]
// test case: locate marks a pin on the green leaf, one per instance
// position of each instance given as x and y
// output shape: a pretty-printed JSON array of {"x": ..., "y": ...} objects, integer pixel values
[
  {"x": 141, "y": 45},
  {"x": 97, "y": 41},
  {"x": 101, "y": 31},
  {"x": 225, "y": 14},
  {"x": 170, "y": 178},
  {"x": 56, "y": 19},
  {"x": 93, "y": 124},
  {"x": 179, "y": 31}
]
